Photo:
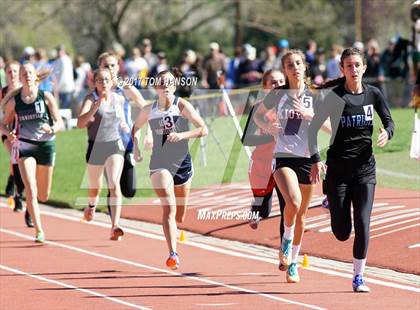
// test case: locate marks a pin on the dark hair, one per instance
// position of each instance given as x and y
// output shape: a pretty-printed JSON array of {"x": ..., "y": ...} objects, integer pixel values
[
  {"x": 350, "y": 51},
  {"x": 174, "y": 71}
]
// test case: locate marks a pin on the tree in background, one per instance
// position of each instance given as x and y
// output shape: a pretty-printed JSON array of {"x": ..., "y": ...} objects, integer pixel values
[{"x": 90, "y": 27}]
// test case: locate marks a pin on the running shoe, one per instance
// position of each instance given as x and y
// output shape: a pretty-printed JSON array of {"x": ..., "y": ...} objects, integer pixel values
[
  {"x": 359, "y": 285},
  {"x": 40, "y": 238},
  {"x": 325, "y": 204},
  {"x": 173, "y": 261},
  {"x": 18, "y": 204},
  {"x": 116, "y": 233},
  {"x": 292, "y": 275},
  {"x": 28, "y": 219},
  {"x": 89, "y": 213},
  {"x": 10, "y": 186},
  {"x": 254, "y": 223},
  {"x": 285, "y": 252},
  {"x": 282, "y": 267}
]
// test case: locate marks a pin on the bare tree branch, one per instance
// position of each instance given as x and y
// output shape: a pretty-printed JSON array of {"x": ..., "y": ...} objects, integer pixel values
[
  {"x": 124, "y": 8},
  {"x": 169, "y": 28},
  {"x": 52, "y": 15},
  {"x": 206, "y": 19},
  {"x": 262, "y": 27}
]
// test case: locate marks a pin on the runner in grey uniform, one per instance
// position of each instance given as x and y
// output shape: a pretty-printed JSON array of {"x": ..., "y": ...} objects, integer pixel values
[{"x": 102, "y": 114}]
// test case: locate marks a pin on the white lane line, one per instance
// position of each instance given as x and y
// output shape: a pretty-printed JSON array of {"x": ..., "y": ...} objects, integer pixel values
[
  {"x": 327, "y": 222},
  {"x": 140, "y": 265},
  {"x": 389, "y": 217},
  {"x": 413, "y": 246},
  {"x": 398, "y": 174},
  {"x": 395, "y": 230},
  {"x": 233, "y": 253},
  {"x": 86, "y": 291},
  {"x": 392, "y": 225}
]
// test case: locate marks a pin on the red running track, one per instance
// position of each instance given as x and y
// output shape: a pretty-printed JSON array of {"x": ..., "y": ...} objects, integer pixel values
[
  {"x": 395, "y": 225},
  {"x": 79, "y": 268}
]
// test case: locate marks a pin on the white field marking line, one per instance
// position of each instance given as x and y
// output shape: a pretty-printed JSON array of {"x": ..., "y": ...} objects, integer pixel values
[
  {"x": 395, "y": 224},
  {"x": 316, "y": 218},
  {"x": 375, "y": 281},
  {"x": 372, "y": 219},
  {"x": 381, "y": 221},
  {"x": 140, "y": 265},
  {"x": 395, "y": 230},
  {"x": 204, "y": 195},
  {"x": 86, "y": 291},
  {"x": 314, "y": 202},
  {"x": 380, "y": 207},
  {"x": 398, "y": 174},
  {"x": 235, "y": 253},
  {"x": 413, "y": 246}
]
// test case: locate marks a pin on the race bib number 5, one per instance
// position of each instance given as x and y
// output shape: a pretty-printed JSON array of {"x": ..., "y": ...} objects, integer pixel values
[{"x": 307, "y": 102}]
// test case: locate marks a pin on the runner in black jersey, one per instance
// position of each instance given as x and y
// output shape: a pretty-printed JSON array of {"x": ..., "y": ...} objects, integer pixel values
[
  {"x": 170, "y": 164},
  {"x": 294, "y": 104},
  {"x": 351, "y": 172},
  {"x": 38, "y": 119}
]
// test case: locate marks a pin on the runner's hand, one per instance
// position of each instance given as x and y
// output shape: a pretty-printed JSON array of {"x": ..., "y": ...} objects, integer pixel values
[
  {"x": 174, "y": 137},
  {"x": 298, "y": 107},
  {"x": 137, "y": 154},
  {"x": 274, "y": 129},
  {"x": 11, "y": 137},
  {"x": 124, "y": 127},
  {"x": 382, "y": 137},
  {"x": 46, "y": 128},
  {"x": 316, "y": 170}
]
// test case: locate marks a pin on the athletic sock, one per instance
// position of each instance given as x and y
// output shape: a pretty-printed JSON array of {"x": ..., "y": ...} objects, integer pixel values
[
  {"x": 288, "y": 232},
  {"x": 359, "y": 266},
  {"x": 295, "y": 253}
]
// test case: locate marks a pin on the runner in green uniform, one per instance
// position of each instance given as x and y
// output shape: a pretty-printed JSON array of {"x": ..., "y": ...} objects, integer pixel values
[{"x": 38, "y": 119}]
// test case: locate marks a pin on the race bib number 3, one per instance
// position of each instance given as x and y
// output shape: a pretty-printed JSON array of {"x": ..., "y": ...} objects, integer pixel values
[{"x": 368, "y": 112}]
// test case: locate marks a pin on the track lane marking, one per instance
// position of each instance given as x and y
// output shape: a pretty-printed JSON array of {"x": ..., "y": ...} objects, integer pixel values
[
  {"x": 83, "y": 290},
  {"x": 140, "y": 265}
]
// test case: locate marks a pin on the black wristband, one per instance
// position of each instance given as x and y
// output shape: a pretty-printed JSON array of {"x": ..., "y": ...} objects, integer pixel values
[{"x": 315, "y": 158}]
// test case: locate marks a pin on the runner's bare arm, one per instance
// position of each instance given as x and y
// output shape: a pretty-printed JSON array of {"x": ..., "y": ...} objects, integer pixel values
[
  {"x": 188, "y": 111},
  {"x": 135, "y": 96},
  {"x": 58, "y": 124},
  {"x": 9, "y": 114},
  {"x": 87, "y": 111}
]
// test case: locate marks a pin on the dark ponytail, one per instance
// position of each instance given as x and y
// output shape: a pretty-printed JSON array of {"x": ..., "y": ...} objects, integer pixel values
[
  {"x": 332, "y": 83},
  {"x": 174, "y": 71}
]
